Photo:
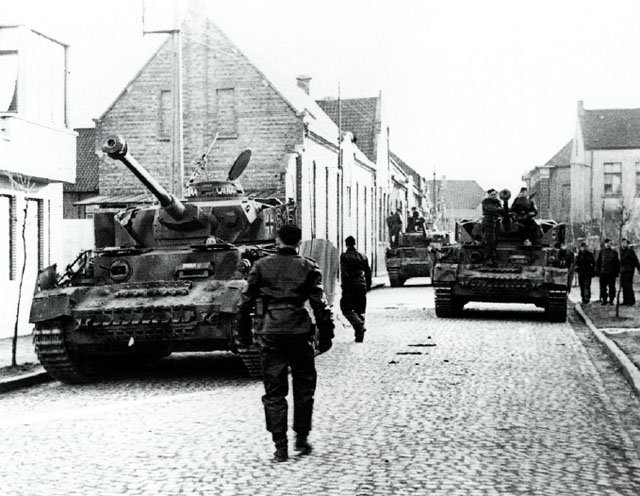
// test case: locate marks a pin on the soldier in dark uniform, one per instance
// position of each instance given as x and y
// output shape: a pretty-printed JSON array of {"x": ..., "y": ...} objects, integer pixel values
[
  {"x": 491, "y": 211},
  {"x": 355, "y": 276},
  {"x": 607, "y": 268},
  {"x": 394, "y": 223},
  {"x": 628, "y": 264},
  {"x": 278, "y": 287},
  {"x": 585, "y": 267},
  {"x": 524, "y": 210}
]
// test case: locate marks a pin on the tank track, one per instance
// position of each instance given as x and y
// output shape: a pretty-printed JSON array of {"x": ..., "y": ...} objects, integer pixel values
[
  {"x": 394, "y": 278},
  {"x": 556, "y": 309},
  {"x": 251, "y": 360},
  {"x": 446, "y": 304},
  {"x": 50, "y": 346}
]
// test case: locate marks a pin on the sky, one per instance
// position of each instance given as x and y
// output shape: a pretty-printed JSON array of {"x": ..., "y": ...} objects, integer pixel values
[{"x": 483, "y": 90}]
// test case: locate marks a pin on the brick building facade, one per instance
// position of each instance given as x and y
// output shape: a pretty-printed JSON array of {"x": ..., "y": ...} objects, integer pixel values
[{"x": 294, "y": 143}]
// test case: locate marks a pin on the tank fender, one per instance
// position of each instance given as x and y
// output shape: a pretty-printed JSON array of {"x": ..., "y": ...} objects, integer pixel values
[
  {"x": 48, "y": 307},
  {"x": 445, "y": 272}
]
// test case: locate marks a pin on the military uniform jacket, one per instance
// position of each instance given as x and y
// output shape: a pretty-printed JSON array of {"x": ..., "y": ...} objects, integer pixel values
[
  {"x": 585, "y": 263},
  {"x": 278, "y": 287},
  {"x": 608, "y": 263},
  {"x": 628, "y": 260},
  {"x": 491, "y": 209},
  {"x": 354, "y": 271},
  {"x": 523, "y": 206}
]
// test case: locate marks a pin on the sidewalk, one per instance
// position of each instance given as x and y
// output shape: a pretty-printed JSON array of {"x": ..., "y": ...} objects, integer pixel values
[
  {"x": 28, "y": 370},
  {"x": 619, "y": 335}
]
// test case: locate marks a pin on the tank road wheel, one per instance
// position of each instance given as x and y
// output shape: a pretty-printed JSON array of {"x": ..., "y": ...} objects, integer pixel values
[
  {"x": 49, "y": 339},
  {"x": 447, "y": 305},
  {"x": 251, "y": 360},
  {"x": 394, "y": 278},
  {"x": 556, "y": 308}
]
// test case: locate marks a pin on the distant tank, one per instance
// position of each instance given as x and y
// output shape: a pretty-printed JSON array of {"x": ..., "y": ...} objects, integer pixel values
[
  {"x": 523, "y": 272},
  {"x": 415, "y": 256},
  {"x": 161, "y": 279}
]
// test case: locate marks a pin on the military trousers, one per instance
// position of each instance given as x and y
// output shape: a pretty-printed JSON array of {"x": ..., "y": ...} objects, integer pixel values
[
  {"x": 607, "y": 285},
  {"x": 278, "y": 353},
  {"x": 353, "y": 305},
  {"x": 585, "y": 287},
  {"x": 489, "y": 234},
  {"x": 626, "y": 284}
]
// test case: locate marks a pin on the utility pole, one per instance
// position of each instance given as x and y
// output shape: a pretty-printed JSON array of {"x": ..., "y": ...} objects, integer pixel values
[
  {"x": 340, "y": 227},
  {"x": 435, "y": 204},
  {"x": 177, "y": 154}
]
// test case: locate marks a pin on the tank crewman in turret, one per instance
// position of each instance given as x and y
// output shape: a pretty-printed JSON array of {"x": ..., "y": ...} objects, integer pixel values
[
  {"x": 585, "y": 267},
  {"x": 491, "y": 211},
  {"x": 607, "y": 268},
  {"x": 277, "y": 288},
  {"x": 524, "y": 210},
  {"x": 628, "y": 264},
  {"x": 355, "y": 276}
]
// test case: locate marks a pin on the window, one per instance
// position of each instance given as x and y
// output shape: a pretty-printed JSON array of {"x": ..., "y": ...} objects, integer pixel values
[
  {"x": 637, "y": 178},
  {"x": 226, "y": 113},
  {"x": 8, "y": 81},
  {"x": 349, "y": 200},
  {"x": 5, "y": 238},
  {"x": 165, "y": 123},
  {"x": 612, "y": 179}
]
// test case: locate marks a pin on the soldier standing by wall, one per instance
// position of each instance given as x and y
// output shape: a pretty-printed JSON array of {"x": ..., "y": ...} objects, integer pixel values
[
  {"x": 628, "y": 264},
  {"x": 394, "y": 223},
  {"x": 277, "y": 287},
  {"x": 607, "y": 268},
  {"x": 491, "y": 211},
  {"x": 585, "y": 267},
  {"x": 355, "y": 276}
]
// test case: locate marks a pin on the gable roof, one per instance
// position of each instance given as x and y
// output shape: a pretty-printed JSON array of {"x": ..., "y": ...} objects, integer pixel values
[
  {"x": 563, "y": 157},
  {"x": 406, "y": 168},
  {"x": 460, "y": 193},
  {"x": 357, "y": 116},
  {"x": 610, "y": 128},
  {"x": 86, "y": 162},
  {"x": 296, "y": 98}
]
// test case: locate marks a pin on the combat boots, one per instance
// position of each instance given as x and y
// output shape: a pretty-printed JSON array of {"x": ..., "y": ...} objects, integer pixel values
[
  {"x": 302, "y": 446},
  {"x": 282, "y": 450}
]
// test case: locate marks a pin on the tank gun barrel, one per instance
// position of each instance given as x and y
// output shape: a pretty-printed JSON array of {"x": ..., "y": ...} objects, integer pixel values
[{"x": 117, "y": 149}]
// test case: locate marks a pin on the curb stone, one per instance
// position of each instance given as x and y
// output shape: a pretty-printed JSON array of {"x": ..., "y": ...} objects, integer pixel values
[
  {"x": 24, "y": 381},
  {"x": 629, "y": 370}
]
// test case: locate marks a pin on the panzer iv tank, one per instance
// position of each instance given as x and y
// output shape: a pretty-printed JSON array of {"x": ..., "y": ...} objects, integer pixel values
[
  {"x": 523, "y": 272},
  {"x": 161, "y": 279},
  {"x": 415, "y": 256}
]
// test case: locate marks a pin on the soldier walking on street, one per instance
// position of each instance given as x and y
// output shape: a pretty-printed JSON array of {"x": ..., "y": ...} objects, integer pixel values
[
  {"x": 277, "y": 288},
  {"x": 585, "y": 267},
  {"x": 628, "y": 264},
  {"x": 491, "y": 211},
  {"x": 355, "y": 276},
  {"x": 607, "y": 268}
]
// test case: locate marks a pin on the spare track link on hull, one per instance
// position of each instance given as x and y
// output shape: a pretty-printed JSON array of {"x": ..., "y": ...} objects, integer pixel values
[
  {"x": 445, "y": 305},
  {"x": 557, "y": 306},
  {"x": 49, "y": 342},
  {"x": 251, "y": 360}
]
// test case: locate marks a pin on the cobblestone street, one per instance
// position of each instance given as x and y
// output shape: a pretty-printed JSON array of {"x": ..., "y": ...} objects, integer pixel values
[{"x": 497, "y": 402}]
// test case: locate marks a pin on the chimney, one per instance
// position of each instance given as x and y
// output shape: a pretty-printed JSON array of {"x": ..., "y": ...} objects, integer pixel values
[
  {"x": 580, "y": 107},
  {"x": 304, "y": 82}
]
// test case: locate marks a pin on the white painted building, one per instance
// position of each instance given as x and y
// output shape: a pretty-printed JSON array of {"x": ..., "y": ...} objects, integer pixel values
[{"x": 37, "y": 153}]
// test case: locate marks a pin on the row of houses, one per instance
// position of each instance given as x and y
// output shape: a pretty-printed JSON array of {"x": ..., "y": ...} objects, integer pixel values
[
  {"x": 331, "y": 156},
  {"x": 593, "y": 182}
]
